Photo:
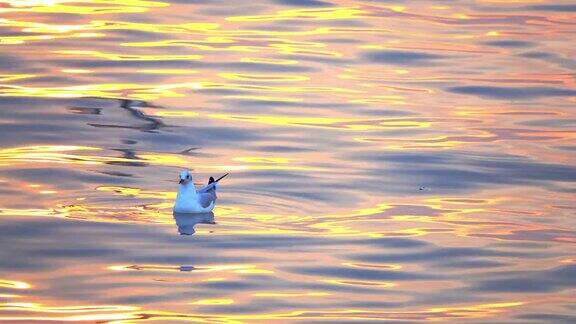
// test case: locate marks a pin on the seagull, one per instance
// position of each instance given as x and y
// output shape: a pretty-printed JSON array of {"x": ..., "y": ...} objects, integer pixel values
[{"x": 190, "y": 200}]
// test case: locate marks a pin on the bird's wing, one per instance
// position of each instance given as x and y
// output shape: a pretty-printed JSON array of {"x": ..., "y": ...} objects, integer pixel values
[
  {"x": 205, "y": 199},
  {"x": 207, "y": 188}
]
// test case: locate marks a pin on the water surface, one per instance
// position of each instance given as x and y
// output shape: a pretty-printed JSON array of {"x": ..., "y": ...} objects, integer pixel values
[{"x": 397, "y": 161}]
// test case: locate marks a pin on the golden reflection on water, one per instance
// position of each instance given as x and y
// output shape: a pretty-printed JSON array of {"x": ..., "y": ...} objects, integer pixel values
[
  {"x": 351, "y": 124},
  {"x": 14, "y": 284},
  {"x": 312, "y": 89},
  {"x": 127, "y": 57},
  {"x": 47, "y": 312},
  {"x": 72, "y": 7},
  {"x": 432, "y": 314},
  {"x": 303, "y": 14}
]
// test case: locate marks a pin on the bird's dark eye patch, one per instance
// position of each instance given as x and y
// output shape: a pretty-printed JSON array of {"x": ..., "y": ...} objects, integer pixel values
[{"x": 188, "y": 177}]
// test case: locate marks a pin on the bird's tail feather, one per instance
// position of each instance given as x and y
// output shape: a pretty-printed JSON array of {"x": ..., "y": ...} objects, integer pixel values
[{"x": 211, "y": 180}]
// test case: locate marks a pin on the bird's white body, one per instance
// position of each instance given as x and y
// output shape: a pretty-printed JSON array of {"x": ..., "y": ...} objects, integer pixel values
[
  {"x": 187, "y": 200},
  {"x": 190, "y": 200}
]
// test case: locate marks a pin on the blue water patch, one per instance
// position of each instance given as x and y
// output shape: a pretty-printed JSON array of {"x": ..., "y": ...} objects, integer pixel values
[
  {"x": 553, "y": 7},
  {"x": 510, "y": 44},
  {"x": 407, "y": 58},
  {"x": 513, "y": 93}
]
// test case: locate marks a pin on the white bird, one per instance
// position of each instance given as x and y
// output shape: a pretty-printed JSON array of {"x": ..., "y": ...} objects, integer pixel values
[{"x": 190, "y": 200}]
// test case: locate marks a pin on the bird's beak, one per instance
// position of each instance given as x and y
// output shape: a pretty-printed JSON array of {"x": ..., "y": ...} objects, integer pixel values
[{"x": 181, "y": 181}]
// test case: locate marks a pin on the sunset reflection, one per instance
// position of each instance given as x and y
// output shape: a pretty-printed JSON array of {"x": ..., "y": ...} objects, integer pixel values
[{"x": 403, "y": 161}]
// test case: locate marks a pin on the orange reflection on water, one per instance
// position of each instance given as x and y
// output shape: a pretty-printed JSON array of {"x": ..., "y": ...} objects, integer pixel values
[{"x": 313, "y": 89}]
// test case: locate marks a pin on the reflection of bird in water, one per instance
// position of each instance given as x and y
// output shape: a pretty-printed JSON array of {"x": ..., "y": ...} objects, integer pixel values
[
  {"x": 187, "y": 221},
  {"x": 151, "y": 124},
  {"x": 190, "y": 200},
  {"x": 131, "y": 105}
]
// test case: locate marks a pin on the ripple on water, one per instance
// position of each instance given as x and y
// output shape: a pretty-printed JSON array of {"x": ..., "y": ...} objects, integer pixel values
[{"x": 388, "y": 161}]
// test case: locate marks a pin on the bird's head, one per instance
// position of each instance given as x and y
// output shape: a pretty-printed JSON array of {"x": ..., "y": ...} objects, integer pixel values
[{"x": 185, "y": 177}]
